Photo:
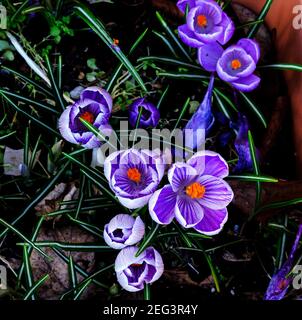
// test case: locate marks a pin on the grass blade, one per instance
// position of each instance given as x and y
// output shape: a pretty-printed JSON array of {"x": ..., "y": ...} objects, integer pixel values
[
  {"x": 96, "y": 25},
  {"x": 148, "y": 239},
  {"x": 36, "y": 286},
  {"x": 254, "y": 109},
  {"x": 253, "y": 178},
  {"x": 261, "y": 16},
  {"x": 172, "y": 35},
  {"x": 283, "y": 66}
]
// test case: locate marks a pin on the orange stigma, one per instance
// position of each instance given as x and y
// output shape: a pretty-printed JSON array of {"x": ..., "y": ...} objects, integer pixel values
[
  {"x": 195, "y": 190},
  {"x": 87, "y": 116},
  {"x": 116, "y": 42},
  {"x": 202, "y": 21},
  {"x": 134, "y": 175},
  {"x": 236, "y": 64}
]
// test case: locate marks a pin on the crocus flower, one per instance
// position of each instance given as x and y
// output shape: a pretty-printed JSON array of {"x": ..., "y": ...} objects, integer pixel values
[
  {"x": 281, "y": 281},
  {"x": 235, "y": 65},
  {"x": 123, "y": 230},
  {"x": 202, "y": 119},
  {"x": 149, "y": 116},
  {"x": 206, "y": 23},
  {"x": 245, "y": 162},
  {"x": 134, "y": 272},
  {"x": 94, "y": 106},
  {"x": 197, "y": 195},
  {"x": 134, "y": 175}
]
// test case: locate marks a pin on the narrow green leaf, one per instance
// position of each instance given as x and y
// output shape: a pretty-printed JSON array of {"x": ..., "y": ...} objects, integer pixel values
[
  {"x": 72, "y": 274},
  {"x": 119, "y": 68},
  {"x": 253, "y": 178},
  {"x": 185, "y": 237},
  {"x": 254, "y": 108},
  {"x": 36, "y": 286},
  {"x": 29, "y": 81},
  {"x": 28, "y": 115},
  {"x": 57, "y": 94},
  {"x": 162, "y": 97},
  {"x": 96, "y": 25},
  {"x": 164, "y": 39},
  {"x": 172, "y": 35},
  {"x": 40, "y": 195},
  {"x": 81, "y": 290},
  {"x": 255, "y": 166},
  {"x": 28, "y": 271},
  {"x": 261, "y": 16},
  {"x": 169, "y": 61},
  {"x": 182, "y": 112},
  {"x": 283, "y": 66},
  {"x": 22, "y": 236},
  {"x": 147, "y": 292},
  {"x": 148, "y": 239}
]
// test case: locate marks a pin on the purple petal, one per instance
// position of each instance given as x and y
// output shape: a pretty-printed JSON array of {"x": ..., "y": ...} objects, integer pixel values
[
  {"x": 162, "y": 205},
  {"x": 251, "y": 47},
  {"x": 228, "y": 27},
  {"x": 149, "y": 117},
  {"x": 208, "y": 56},
  {"x": 152, "y": 257},
  {"x": 212, "y": 221},
  {"x": 98, "y": 95},
  {"x": 209, "y": 163},
  {"x": 134, "y": 203},
  {"x": 138, "y": 232},
  {"x": 182, "y": 4},
  {"x": 188, "y": 211},
  {"x": 111, "y": 164},
  {"x": 247, "y": 84},
  {"x": 63, "y": 125},
  {"x": 126, "y": 257},
  {"x": 180, "y": 175},
  {"x": 210, "y": 37},
  {"x": 218, "y": 194},
  {"x": 188, "y": 37}
]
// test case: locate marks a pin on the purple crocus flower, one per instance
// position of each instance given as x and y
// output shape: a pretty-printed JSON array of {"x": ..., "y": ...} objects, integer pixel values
[
  {"x": 206, "y": 23},
  {"x": 134, "y": 272},
  {"x": 134, "y": 175},
  {"x": 94, "y": 106},
  {"x": 280, "y": 282},
  {"x": 235, "y": 65},
  {"x": 242, "y": 146},
  {"x": 202, "y": 119},
  {"x": 197, "y": 195},
  {"x": 123, "y": 230},
  {"x": 149, "y": 117}
]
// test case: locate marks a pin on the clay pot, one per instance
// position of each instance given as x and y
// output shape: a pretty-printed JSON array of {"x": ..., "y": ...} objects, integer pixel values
[{"x": 289, "y": 49}]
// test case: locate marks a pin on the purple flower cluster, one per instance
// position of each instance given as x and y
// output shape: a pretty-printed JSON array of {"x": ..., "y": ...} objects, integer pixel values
[{"x": 208, "y": 28}]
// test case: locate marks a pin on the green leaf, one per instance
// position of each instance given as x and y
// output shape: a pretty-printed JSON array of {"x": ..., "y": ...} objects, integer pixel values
[
  {"x": 261, "y": 16},
  {"x": 253, "y": 178},
  {"x": 283, "y": 66},
  {"x": 57, "y": 94},
  {"x": 119, "y": 68},
  {"x": 170, "y": 61},
  {"x": 254, "y": 108},
  {"x": 36, "y": 286},
  {"x": 255, "y": 166},
  {"x": 40, "y": 195},
  {"x": 172, "y": 35},
  {"x": 28, "y": 115},
  {"x": 148, "y": 239},
  {"x": 96, "y": 25},
  {"x": 147, "y": 292},
  {"x": 164, "y": 39}
]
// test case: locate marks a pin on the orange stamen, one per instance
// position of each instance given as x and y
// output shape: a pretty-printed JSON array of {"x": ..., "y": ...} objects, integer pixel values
[
  {"x": 87, "y": 116},
  {"x": 202, "y": 21},
  {"x": 236, "y": 64},
  {"x": 195, "y": 190},
  {"x": 116, "y": 42},
  {"x": 134, "y": 175}
]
